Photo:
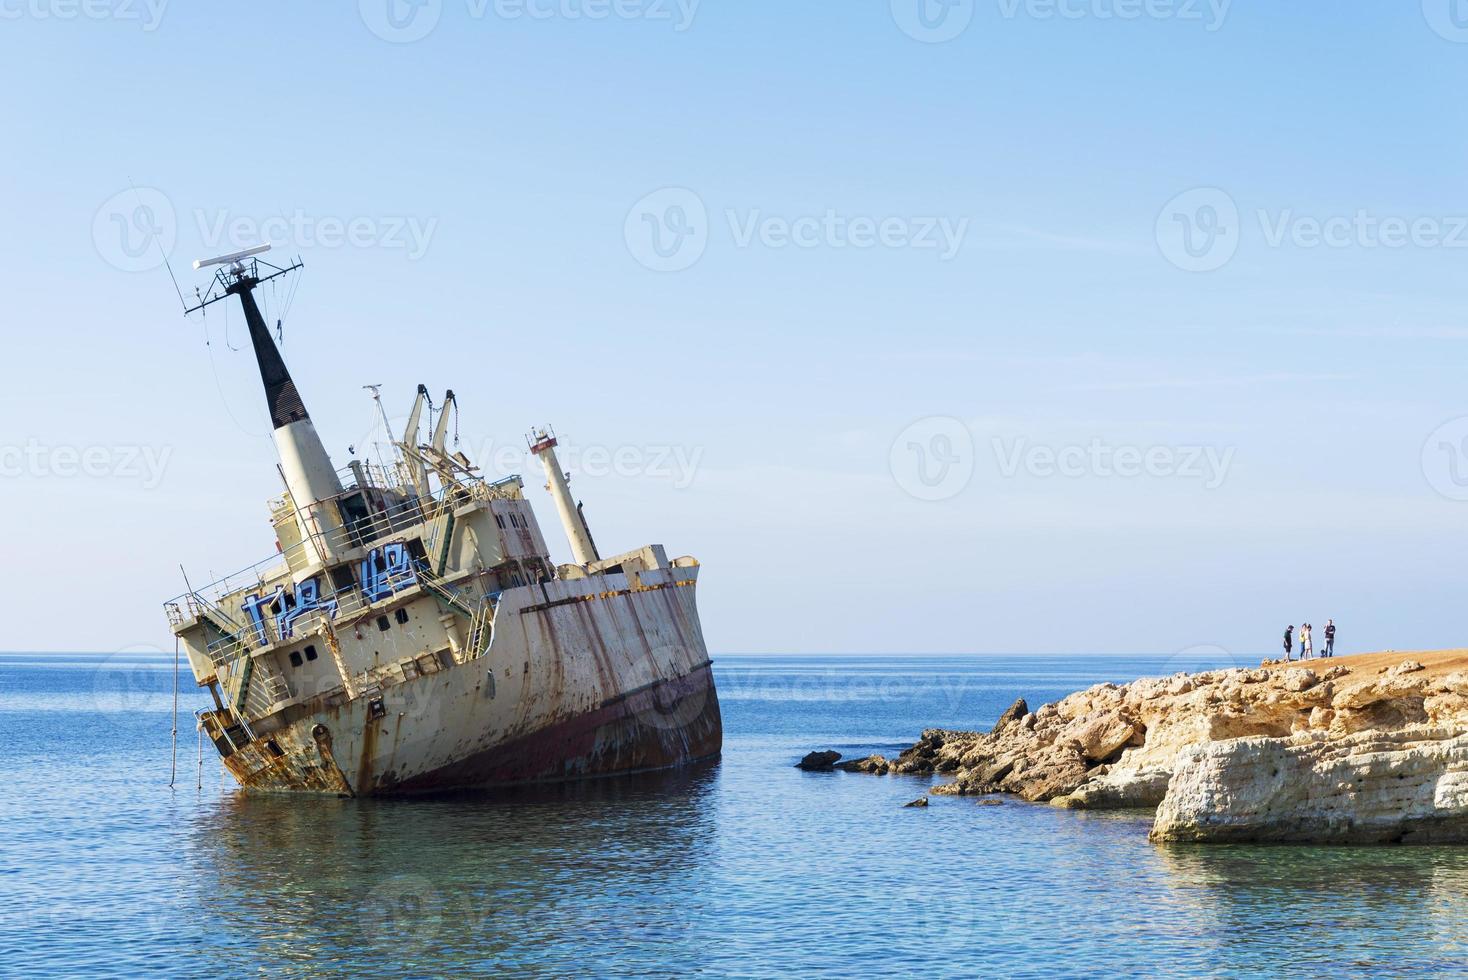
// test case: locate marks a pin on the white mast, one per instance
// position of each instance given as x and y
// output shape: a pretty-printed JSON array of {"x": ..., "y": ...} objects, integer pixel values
[{"x": 543, "y": 444}]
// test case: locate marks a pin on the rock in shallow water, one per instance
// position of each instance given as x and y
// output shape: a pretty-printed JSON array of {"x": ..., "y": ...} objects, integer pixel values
[
  {"x": 818, "y": 761},
  {"x": 874, "y": 764}
]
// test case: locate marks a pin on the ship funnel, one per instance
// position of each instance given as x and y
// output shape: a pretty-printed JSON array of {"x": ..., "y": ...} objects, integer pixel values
[
  {"x": 308, "y": 471},
  {"x": 543, "y": 444}
]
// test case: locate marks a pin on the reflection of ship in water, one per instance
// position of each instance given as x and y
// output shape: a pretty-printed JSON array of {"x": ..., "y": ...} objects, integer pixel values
[
  {"x": 413, "y": 634},
  {"x": 455, "y": 887}
]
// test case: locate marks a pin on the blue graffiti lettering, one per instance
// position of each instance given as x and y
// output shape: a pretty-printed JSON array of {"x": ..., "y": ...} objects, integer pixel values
[
  {"x": 254, "y": 607},
  {"x": 387, "y": 570},
  {"x": 307, "y": 599}
]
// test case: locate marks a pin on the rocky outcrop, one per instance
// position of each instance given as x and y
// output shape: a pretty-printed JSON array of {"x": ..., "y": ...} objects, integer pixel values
[{"x": 1359, "y": 750}]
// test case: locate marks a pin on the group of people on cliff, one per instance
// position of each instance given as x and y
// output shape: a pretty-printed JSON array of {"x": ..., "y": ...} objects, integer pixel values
[{"x": 1307, "y": 641}]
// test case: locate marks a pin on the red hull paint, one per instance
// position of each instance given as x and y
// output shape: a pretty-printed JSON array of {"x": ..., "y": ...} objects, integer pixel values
[{"x": 669, "y": 724}]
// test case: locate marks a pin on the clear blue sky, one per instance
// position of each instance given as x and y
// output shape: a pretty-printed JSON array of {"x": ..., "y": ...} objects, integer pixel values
[{"x": 1067, "y": 320}]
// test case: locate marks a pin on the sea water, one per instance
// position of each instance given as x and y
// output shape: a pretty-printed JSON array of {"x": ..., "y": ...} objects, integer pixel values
[{"x": 744, "y": 867}]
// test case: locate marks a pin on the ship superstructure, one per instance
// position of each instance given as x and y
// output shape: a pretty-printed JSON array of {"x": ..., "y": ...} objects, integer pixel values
[{"x": 413, "y": 634}]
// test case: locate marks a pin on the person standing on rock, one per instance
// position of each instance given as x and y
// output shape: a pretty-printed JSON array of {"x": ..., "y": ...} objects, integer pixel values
[
  {"x": 1307, "y": 649},
  {"x": 1330, "y": 638},
  {"x": 1289, "y": 642}
]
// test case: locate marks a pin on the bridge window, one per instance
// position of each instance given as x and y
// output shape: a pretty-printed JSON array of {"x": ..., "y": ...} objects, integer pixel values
[
  {"x": 383, "y": 624},
  {"x": 310, "y": 651},
  {"x": 401, "y": 615},
  {"x": 295, "y": 658}
]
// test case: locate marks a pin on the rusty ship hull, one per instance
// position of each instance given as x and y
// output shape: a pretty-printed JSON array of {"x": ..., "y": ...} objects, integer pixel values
[{"x": 561, "y": 699}]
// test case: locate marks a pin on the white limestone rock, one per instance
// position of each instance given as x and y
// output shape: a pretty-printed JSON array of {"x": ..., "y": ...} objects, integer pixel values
[{"x": 1371, "y": 787}]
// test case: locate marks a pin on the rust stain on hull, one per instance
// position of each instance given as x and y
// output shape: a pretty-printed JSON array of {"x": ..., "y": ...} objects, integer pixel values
[{"x": 668, "y": 724}]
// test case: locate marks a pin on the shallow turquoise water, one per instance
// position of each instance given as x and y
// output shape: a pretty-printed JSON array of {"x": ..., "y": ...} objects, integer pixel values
[{"x": 744, "y": 868}]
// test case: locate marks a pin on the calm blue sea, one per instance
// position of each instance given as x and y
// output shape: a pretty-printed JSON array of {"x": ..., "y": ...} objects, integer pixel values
[{"x": 745, "y": 868}]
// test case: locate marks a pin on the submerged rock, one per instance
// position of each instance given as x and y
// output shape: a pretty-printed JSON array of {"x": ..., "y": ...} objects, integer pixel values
[
  {"x": 919, "y": 802},
  {"x": 819, "y": 761}
]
